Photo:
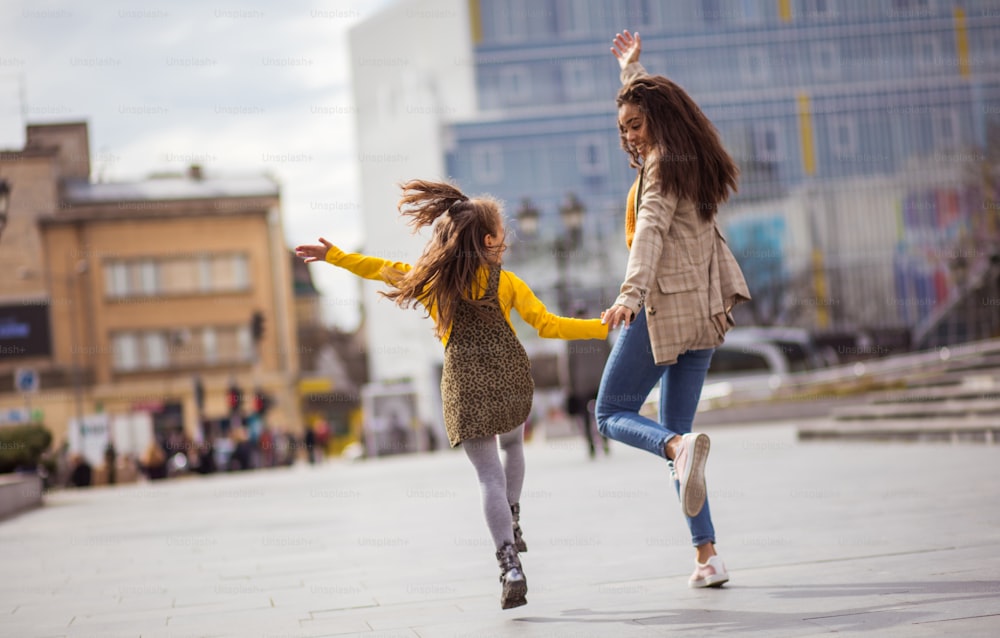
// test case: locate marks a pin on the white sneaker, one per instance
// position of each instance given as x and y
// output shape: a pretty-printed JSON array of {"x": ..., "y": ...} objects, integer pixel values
[
  {"x": 689, "y": 467},
  {"x": 710, "y": 574}
]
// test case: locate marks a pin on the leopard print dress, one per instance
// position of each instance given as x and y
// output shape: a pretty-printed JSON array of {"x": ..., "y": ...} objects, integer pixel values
[{"x": 486, "y": 385}]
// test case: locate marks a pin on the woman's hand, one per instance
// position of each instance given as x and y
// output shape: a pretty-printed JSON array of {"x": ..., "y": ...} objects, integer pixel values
[
  {"x": 616, "y": 314},
  {"x": 313, "y": 252},
  {"x": 626, "y": 47}
]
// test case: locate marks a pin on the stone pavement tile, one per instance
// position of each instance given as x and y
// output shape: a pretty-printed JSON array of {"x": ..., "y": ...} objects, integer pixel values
[
  {"x": 976, "y": 626},
  {"x": 263, "y": 622},
  {"x": 319, "y": 600},
  {"x": 341, "y": 625},
  {"x": 171, "y": 617}
]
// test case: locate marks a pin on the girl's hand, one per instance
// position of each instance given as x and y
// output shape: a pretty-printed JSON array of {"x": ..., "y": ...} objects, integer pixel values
[
  {"x": 313, "y": 252},
  {"x": 626, "y": 48},
  {"x": 616, "y": 314}
]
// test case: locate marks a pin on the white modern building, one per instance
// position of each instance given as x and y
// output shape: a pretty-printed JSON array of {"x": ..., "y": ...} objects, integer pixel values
[{"x": 412, "y": 73}]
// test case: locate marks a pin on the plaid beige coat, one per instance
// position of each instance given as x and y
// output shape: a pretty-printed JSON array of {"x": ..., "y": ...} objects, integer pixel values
[{"x": 680, "y": 269}]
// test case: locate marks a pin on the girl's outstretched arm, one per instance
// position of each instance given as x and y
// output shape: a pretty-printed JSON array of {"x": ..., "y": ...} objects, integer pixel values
[
  {"x": 313, "y": 252},
  {"x": 548, "y": 325},
  {"x": 360, "y": 265}
]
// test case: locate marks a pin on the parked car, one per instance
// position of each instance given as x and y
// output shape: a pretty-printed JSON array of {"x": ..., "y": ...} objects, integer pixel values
[{"x": 753, "y": 363}]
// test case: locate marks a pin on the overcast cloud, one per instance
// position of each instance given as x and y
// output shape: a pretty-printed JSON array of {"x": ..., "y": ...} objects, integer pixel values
[{"x": 244, "y": 87}]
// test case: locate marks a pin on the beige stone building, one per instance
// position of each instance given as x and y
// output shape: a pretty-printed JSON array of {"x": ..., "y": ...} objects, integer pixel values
[{"x": 119, "y": 295}]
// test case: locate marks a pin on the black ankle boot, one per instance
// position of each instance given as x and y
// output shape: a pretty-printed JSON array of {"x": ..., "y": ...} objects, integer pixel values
[
  {"x": 515, "y": 585},
  {"x": 515, "y": 512}
]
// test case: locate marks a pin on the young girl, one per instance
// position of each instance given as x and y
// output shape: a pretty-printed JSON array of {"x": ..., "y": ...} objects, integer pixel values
[{"x": 486, "y": 385}]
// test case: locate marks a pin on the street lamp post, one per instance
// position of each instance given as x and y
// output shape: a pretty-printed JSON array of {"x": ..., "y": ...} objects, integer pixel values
[
  {"x": 572, "y": 213},
  {"x": 582, "y": 366}
]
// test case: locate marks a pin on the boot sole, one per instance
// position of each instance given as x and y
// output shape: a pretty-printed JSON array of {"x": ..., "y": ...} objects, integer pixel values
[{"x": 514, "y": 594}]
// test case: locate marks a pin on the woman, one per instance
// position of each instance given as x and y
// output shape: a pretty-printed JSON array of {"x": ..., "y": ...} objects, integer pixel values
[{"x": 681, "y": 271}]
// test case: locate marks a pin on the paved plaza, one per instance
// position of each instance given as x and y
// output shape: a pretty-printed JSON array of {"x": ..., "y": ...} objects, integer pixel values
[{"x": 887, "y": 539}]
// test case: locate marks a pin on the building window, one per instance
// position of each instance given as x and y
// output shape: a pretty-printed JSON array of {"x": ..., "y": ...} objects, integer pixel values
[
  {"x": 766, "y": 143},
  {"x": 209, "y": 345},
  {"x": 750, "y": 12},
  {"x": 843, "y": 135},
  {"x": 826, "y": 60},
  {"x": 205, "y": 273},
  {"x": 147, "y": 275},
  {"x": 116, "y": 279},
  {"x": 187, "y": 275},
  {"x": 125, "y": 351},
  {"x": 244, "y": 343},
  {"x": 592, "y": 156},
  {"x": 947, "y": 129},
  {"x": 911, "y": 8},
  {"x": 509, "y": 20},
  {"x": 487, "y": 163},
  {"x": 637, "y": 12},
  {"x": 156, "y": 350},
  {"x": 181, "y": 348},
  {"x": 819, "y": 9},
  {"x": 514, "y": 84},
  {"x": 241, "y": 272},
  {"x": 578, "y": 79},
  {"x": 754, "y": 65},
  {"x": 927, "y": 52},
  {"x": 179, "y": 276},
  {"x": 573, "y": 17}
]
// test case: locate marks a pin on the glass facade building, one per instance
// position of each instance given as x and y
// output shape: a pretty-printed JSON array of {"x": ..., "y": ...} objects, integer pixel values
[{"x": 866, "y": 133}]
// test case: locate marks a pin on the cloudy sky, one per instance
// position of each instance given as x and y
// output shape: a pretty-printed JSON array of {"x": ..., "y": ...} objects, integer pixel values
[{"x": 239, "y": 87}]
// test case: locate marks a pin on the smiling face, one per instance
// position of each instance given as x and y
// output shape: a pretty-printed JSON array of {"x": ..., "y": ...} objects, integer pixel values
[{"x": 632, "y": 124}]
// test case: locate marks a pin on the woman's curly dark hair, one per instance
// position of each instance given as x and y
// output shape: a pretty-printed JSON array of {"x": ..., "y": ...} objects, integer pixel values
[{"x": 692, "y": 162}]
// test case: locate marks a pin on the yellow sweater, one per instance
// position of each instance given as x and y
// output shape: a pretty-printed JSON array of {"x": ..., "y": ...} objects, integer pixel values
[
  {"x": 630, "y": 214},
  {"x": 512, "y": 293}
]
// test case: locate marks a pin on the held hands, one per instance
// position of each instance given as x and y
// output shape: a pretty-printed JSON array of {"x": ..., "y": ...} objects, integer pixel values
[
  {"x": 616, "y": 314},
  {"x": 626, "y": 47},
  {"x": 313, "y": 252}
]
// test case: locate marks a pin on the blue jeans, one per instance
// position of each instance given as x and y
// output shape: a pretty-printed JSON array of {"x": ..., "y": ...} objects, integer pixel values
[{"x": 629, "y": 376}]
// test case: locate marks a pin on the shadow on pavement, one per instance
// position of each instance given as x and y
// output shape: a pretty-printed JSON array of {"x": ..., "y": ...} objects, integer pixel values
[{"x": 886, "y": 615}]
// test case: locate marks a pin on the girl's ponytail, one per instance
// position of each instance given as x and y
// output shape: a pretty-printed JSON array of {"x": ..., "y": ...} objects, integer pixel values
[{"x": 425, "y": 201}]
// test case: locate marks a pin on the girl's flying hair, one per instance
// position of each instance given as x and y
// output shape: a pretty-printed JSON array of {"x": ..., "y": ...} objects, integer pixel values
[{"x": 448, "y": 270}]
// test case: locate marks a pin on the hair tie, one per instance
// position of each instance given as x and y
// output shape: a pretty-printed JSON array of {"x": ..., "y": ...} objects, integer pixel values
[{"x": 458, "y": 200}]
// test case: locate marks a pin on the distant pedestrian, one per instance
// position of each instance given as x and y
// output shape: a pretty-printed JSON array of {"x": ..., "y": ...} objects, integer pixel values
[
  {"x": 111, "y": 463},
  {"x": 154, "y": 461},
  {"x": 680, "y": 285},
  {"x": 83, "y": 473},
  {"x": 486, "y": 384},
  {"x": 309, "y": 442}
]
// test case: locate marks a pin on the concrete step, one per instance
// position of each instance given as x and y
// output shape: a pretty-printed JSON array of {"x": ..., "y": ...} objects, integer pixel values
[
  {"x": 985, "y": 362},
  {"x": 956, "y": 430},
  {"x": 941, "y": 379},
  {"x": 970, "y": 387},
  {"x": 919, "y": 410}
]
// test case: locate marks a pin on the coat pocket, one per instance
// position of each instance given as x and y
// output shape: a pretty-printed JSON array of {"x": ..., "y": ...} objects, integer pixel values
[{"x": 682, "y": 281}]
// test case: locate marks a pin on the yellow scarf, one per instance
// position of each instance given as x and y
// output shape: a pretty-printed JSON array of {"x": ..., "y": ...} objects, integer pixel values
[{"x": 630, "y": 213}]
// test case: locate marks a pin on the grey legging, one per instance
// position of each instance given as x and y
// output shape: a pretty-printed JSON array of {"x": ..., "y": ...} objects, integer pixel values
[{"x": 500, "y": 482}]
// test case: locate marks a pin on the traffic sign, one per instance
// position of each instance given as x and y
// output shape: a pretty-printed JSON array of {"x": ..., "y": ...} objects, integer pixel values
[{"x": 26, "y": 380}]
